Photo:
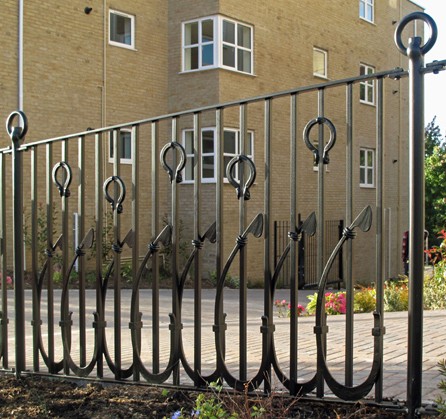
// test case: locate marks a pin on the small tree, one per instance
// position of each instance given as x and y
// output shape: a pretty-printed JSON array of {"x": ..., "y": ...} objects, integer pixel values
[{"x": 435, "y": 177}]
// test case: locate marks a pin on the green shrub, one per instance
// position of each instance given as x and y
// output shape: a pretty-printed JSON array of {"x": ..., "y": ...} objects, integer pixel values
[
  {"x": 365, "y": 300},
  {"x": 435, "y": 285},
  {"x": 396, "y": 295}
]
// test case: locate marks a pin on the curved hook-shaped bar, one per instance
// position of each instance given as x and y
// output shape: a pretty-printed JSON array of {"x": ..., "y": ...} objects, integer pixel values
[
  {"x": 163, "y": 238},
  {"x": 363, "y": 221},
  {"x": 255, "y": 228},
  {"x": 241, "y": 191},
  {"x": 308, "y": 227},
  {"x": 17, "y": 133},
  {"x": 86, "y": 243},
  {"x": 409, "y": 18},
  {"x": 64, "y": 190},
  {"x": 116, "y": 202},
  {"x": 331, "y": 142},
  {"x": 174, "y": 175}
]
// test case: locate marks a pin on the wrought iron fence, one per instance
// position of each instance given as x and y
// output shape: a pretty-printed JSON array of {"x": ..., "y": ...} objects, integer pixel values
[
  {"x": 76, "y": 175},
  {"x": 307, "y": 251}
]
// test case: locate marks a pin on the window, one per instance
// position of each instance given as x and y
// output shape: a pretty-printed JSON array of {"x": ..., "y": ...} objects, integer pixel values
[
  {"x": 199, "y": 44},
  {"x": 367, "y": 167},
  {"x": 237, "y": 46},
  {"x": 367, "y": 87},
  {"x": 366, "y": 10},
  {"x": 319, "y": 62},
  {"x": 125, "y": 144},
  {"x": 231, "y": 148},
  {"x": 122, "y": 29},
  {"x": 208, "y": 155},
  {"x": 213, "y": 42}
]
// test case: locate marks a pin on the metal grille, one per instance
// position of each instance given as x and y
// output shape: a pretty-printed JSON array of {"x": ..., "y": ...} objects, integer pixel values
[{"x": 129, "y": 227}]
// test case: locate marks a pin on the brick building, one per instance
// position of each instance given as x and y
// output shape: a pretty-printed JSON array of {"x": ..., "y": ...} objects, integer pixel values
[{"x": 78, "y": 65}]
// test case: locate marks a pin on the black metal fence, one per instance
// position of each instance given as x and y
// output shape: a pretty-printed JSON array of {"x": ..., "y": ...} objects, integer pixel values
[
  {"x": 307, "y": 255},
  {"x": 158, "y": 350}
]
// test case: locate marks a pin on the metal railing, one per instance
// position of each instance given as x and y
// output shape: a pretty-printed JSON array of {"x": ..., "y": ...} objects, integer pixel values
[{"x": 137, "y": 195}]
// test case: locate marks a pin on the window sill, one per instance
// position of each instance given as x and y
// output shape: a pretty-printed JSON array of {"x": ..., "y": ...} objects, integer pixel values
[
  {"x": 367, "y": 103},
  {"x": 216, "y": 68},
  {"x": 124, "y": 46},
  {"x": 367, "y": 186},
  {"x": 320, "y": 76}
]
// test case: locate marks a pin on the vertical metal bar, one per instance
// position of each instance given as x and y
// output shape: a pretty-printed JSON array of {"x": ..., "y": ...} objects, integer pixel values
[
  {"x": 117, "y": 257},
  {"x": 49, "y": 271},
  {"x": 243, "y": 318},
  {"x": 380, "y": 241},
  {"x": 36, "y": 322},
  {"x": 349, "y": 324},
  {"x": 99, "y": 227},
  {"x": 19, "y": 283},
  {"x": 268, "y": 306},
  {"x": 155, "y": 259},
  {"x": 65, "y": 264},
  {"x": 293, "y": 250},
  {"x": 175, "y": 257},
  {"x": 81, "y": 261},
  {"x": 135, "y": 229},
  {"x": 220, "y": 170},
  {"x": 321, "y": 227},
  {"x": 197, "y": 261},
  {"x": 4, "y": 261},
  {"x": 416, "y": 223}
]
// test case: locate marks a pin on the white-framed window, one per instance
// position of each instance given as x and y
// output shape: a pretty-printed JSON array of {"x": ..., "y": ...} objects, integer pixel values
[
  {"x": 367, "y": 10},
  {"x": 208, "y": 155},
  {"x": 320, "y": 62},
  {"x": 121, "y": 29},
  {"x": 231, "y": 148},
  {"x": 366, "y": 87},
  {"x": 198, "y": 44},
  {"x": 237, "y": 46},
  {"x": 214, "y": 41},
  {"x": 367, "y": 167},
  {"x": 125, "y": 144}
]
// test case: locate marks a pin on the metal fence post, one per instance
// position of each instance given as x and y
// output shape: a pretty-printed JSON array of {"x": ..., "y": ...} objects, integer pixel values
[
  {"x": 17, "y": 134},
  {"x": 415, "y": 51}
]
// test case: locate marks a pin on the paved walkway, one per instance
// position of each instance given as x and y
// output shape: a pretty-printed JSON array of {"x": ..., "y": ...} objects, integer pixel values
[{"x": 395, "y": 340}]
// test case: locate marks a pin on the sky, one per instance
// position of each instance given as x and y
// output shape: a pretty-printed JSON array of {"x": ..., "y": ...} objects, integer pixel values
[{"x": 435, "y": 85}]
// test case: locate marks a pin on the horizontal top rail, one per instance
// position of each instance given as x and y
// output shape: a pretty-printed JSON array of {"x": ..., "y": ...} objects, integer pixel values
[{"x": 396, "y": 73}]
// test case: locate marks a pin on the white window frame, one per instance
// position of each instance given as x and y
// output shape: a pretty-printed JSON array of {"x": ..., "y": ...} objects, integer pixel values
[
  {"x": 190, "y": 156},
  {"x": 238, "y": 48},
  {"x": 323, "y": 75},
  {"x": 367, "y": 168},
  {"x": 188, "y": 180},
  {"x": 200, "y": 44},
  {"x": 229, "y": 156},
  {"x": 124, "y": 160},
  {"x": 367, "y": 10},
  {"x": 367, "y": 85},
  {"x": 132, "y": 28},
  {"x": 218, "y": 45}
]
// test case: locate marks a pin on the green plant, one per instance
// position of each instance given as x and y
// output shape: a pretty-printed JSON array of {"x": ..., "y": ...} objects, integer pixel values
[
  {"x": 230, "y": 281},
  {"x": 396, "y": 294},
  {"x": 284, "y": 308},
  {"x": 208, "y": 406},
  {"x": 441, "y": 402},
  {"x": 364, "y": 300},
  {"x": 335, "y": 303},
  {"x": 42, "y": 232},
  {"x": 435, "y": 285}
]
